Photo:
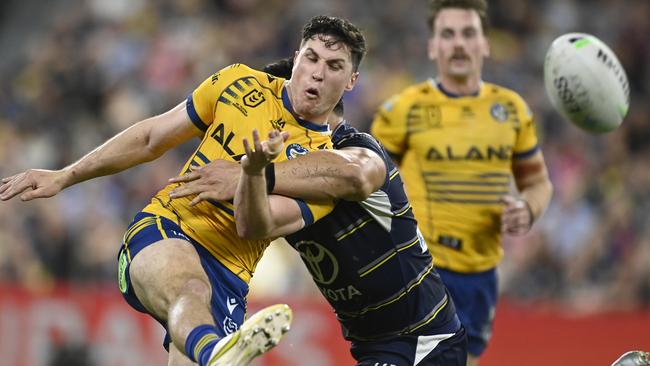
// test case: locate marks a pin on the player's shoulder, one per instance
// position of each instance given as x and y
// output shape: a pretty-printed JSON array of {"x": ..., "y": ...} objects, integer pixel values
[
  {"x": 422, "y": 89},
  {"x": 346, "y": 135},
  {"x": 506, "y": 94},
  {"x": 410, "y": 95},
  {"x": 238, "y": 71}
]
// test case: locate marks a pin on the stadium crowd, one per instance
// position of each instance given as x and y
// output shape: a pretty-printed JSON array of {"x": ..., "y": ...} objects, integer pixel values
[{"x": 90, "y": 68}]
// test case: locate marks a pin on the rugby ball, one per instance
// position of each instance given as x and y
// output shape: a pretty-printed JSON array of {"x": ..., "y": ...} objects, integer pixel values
[{"x": 586, "y": 83}]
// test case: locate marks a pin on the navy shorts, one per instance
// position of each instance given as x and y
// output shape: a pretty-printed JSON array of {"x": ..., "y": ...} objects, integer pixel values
[
  {"x": 444, "y": 348},
  {"x": 228, "y": 291},
  {"x": 475, "y": 297}
]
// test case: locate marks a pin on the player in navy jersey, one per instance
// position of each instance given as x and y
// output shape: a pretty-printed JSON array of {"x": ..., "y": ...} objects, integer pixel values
[{"x": 366, "y": 257}]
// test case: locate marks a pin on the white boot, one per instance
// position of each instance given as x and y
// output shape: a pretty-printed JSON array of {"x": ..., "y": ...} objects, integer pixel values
[{"x": 258, "y": 334}]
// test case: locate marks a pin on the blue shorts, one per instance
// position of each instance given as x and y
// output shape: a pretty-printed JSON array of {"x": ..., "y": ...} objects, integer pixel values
[
  {"x": 448, "y": 349},
  {"x": 475, "y": 297},
  {"x": 228, "y": 291}
]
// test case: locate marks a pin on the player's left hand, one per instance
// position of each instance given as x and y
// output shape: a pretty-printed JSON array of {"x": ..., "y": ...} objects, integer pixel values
[
  {"x": 263, "y": 153},
  {"x": 216, "y": 180},
  {"x": 517, "y": 217}
]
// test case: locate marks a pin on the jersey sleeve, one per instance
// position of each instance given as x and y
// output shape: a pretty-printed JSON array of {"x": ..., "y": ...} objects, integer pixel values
[
  {"x": 200, "y": 104},
  {"x": 313, "y": 211},
  {"x": 359, "y": 139},
  {"x": 389, "y": 126},
  {"x": 526, "y": 144}
]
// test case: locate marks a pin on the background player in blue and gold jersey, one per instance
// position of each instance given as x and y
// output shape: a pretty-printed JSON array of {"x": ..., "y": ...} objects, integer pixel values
[
  {"x": 458, "y": 141},
  {"x": 185, "y": 265}
]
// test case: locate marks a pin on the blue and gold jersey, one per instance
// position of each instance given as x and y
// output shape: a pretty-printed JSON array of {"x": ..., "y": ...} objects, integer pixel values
[
  {"x": 371, "y": 263},
  {"x": 456, "y": 162},
  {"x": 227, "y": 107}
]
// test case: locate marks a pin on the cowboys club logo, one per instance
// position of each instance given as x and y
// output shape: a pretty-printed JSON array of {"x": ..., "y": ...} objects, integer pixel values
[
  {"x": 321, "y": 262},
  {"x": 295, "y": 150}
]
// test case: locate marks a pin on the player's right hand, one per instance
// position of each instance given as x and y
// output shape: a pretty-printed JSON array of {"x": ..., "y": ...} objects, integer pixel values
[
  {"x": 31, "y": 184},
  {"x": 216, "y": 180},
  {"x": 263, "y": 152}
]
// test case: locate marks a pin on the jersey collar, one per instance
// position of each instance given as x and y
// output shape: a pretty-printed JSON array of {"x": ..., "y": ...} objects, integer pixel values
[
  {"x": 436, "y": 84},
  {"x": 303, "y": 122}
]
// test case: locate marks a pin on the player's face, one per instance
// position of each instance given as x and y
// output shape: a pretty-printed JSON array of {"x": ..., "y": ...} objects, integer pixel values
[
  {"x": 458, "y": 44},
  {"x": 320, "y": 76}
]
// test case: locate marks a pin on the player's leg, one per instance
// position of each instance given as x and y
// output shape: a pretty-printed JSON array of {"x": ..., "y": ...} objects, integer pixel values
[
  {"x": 169, "y": 281},
  {"x": 178, "y": 358},
  {"x": 475, "y": 297},
  {"x": 160, "y": 273}
]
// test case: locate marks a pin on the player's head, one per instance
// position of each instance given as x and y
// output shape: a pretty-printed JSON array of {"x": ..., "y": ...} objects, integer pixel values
[
  {"x": 458, "y": 43},
  {"x": 325, "y": 66},
  {"x": 282, "y": 69}
]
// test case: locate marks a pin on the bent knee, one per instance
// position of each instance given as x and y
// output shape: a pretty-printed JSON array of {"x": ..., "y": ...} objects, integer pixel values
[{"x": 196, "y": 287}]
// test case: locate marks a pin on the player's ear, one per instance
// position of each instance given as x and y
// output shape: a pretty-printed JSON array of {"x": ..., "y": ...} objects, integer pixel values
[
  {"x": 432, "y": 50},
  {"x": 486, "y": 47},
  {"x": 352, "y": 82}
]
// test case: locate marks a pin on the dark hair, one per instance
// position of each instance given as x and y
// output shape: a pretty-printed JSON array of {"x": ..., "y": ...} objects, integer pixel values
[
  {"x": 282, "y": 69},
  {"x": 340, "y": 30},
  {"x": 435, "y": 6}
]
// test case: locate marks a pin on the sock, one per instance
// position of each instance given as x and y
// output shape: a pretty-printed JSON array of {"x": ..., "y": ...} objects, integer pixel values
[{"x": 200, "y": 343}]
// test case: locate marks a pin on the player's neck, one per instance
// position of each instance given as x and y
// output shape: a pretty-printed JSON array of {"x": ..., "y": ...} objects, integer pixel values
[
  {"x": 317, "y": 119},
  {"x": 334, "y": 121},
  {"x": 460, "y": 86}
]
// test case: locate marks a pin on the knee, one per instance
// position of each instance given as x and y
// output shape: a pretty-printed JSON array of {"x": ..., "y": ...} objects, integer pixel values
[{"x": 195, "y": 288}]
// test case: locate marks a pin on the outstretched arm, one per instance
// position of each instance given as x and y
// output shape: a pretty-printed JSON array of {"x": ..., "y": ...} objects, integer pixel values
[
  {"x": 142, "y": 142},
  {"x": 258, "y": 215},
  {"x": 351, "y": 173}
]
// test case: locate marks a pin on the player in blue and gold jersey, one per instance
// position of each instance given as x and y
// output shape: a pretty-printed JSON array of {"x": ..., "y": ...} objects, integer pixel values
[
  {"x": 185, "y": 264},
  {"x": 366, "y": 257},
  {"x": 458, "y": 141}
]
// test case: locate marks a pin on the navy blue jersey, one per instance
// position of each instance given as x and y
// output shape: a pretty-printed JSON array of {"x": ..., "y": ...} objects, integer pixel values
[{"x": 370, "y": 260}]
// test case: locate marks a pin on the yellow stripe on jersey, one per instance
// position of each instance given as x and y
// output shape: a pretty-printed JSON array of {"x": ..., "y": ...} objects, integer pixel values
[
  {"x": 127, "y": 234},
  {"x": 410, "y": 329},
  {"x": 354, "y": 227},
  {"x": 385, "y": 257},
  {"x": 227, "y": 107},
  {"x": 137, "y": 227},
  {"x": 399, "y": 295},
  {"x": 160, "y": 228},
  {"x": 403, "y": 210},
  {"x": 456, "y": 165},
  {"x": 394, "y": 174},
  {"x": 436, "y": 311}
]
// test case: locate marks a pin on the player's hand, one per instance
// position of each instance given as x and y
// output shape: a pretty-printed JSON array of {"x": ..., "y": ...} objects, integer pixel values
[
  {"x": 31, "y": 184},
  {"x": 263, "y": 153},
  {"x": 216, "y": 180},
  {"x": 517, "y": 218}
]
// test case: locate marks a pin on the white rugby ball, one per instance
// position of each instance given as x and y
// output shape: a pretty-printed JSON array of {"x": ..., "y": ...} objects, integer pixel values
[{"x": 586, "y": 83}]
